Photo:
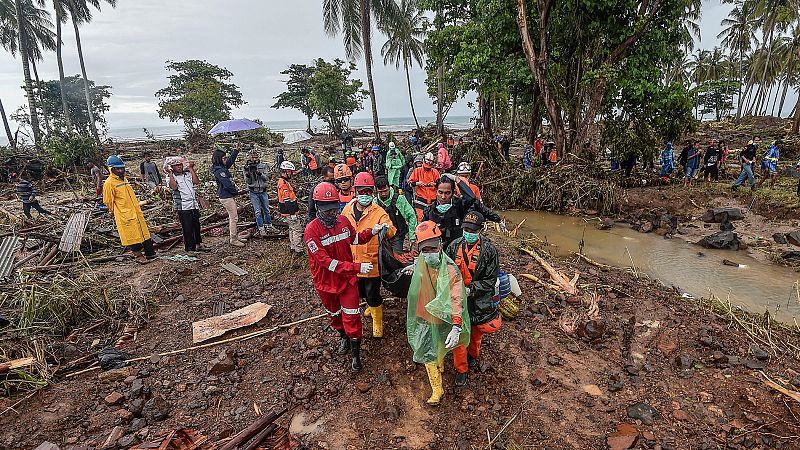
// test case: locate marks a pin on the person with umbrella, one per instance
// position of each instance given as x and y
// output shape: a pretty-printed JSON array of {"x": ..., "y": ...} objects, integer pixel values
[{"x": 227, "y": 191}]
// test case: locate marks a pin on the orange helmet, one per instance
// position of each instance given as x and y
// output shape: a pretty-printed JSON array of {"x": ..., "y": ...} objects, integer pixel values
[
  {"x": 428, "y": 230},
  {"x": 363, "y": 179},
  {"x": 341, "y": 171}
]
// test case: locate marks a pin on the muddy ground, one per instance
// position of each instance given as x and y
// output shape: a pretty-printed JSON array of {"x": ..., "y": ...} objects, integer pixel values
[{"x": 552, "y": 390}]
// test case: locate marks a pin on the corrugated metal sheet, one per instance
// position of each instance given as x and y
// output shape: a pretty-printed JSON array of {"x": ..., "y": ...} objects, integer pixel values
[
  {"x": 73, "y": 232},
  {"x": 8, "y": 247}
]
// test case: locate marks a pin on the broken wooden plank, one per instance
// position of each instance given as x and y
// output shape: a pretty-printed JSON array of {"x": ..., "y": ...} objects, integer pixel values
[
  {"x": 16, "y": 364},
  {"x": 216, "y": 326},
  {"x": 73, "y": 232},
  {"x": 234, "y": 269}
]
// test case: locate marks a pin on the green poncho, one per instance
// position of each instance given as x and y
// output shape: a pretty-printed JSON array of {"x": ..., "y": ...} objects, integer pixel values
[{"x": 435, "y": 296}]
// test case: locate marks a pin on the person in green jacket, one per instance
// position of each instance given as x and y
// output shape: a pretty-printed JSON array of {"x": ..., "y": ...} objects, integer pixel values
[
  {"x": 394, "y": 163},
  {"x": 399, "y": 210}
]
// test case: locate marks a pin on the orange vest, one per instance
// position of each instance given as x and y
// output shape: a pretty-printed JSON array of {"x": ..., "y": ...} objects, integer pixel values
[
  {"x": 421, "y": 175},
  {"x": 553, "y": 156},
  {"x": 467, "y": 260},
  {"x": 287, "y": 201},
  {"x": 312, "y": 164},
  {"x": 364, "y": 252}
]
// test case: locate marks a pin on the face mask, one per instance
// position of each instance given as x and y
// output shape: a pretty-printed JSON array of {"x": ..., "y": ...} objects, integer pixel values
[
  {"x": 426, "y": 165},
  {"x": 328, "y": 218},
  {"x": 432, "y": 259},
  {"x": 364, "y": 200},
  {"x": 444, "y": 208},
  {"x": 471, "y": 238}
]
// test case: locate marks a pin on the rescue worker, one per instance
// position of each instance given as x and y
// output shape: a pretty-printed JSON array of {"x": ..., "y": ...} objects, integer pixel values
[
  {"x": 328, "y": 239},
  {"x": 182, "y": 180},
  {"x": 97, "y": 178},
  {"x": 464, "y": 171},
  {"x": 327, "y": 177},
  {"x": 227, "y": 190},
  {"x": 394, "y": 165},
  {"x": 443, "y": 162},
  {"x": 311, "y": 162},
  {"x": 124, "y": 206},
  {"x": 343, "y": 179},
  {"x": 416, "y": 161},
  {"x": 476, "y": 258},
  {"x": 256, "y": 175},
  {"x": 364, "y": 214},
  {"x": 769, "y": 165},
  {"x": 150, "y": 172},
  {"x": 288, "y": 207},
  {"x": 448, "y": 211},
  {"x": 400, "y": 212},
  {"x": 667, "y": 162},
  {"x": 437, "y": 320},
  {"x": 423, "y": 182},
  {"x": 27, "y": 194},
  {"x": 351, "y": 161}
]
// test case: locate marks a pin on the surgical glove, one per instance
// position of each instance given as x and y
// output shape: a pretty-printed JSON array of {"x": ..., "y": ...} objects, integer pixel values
[
  {"x": 378, "y": 227},
  {"x": 503, "y": 227},
  {"x": 365, "y": 268},
  {"x": 466, "y": 291},
  {"x": 451, "y": 341},
  {"x": 408, "y": 270}
]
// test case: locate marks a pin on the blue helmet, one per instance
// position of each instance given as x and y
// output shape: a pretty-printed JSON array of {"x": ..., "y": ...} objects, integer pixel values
[{"x": 115, "y": 162}]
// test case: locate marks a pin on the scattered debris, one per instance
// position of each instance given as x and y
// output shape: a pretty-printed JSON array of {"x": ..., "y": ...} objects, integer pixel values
[
  {"x": 234, "y": 269},
  {"x": 216, "y": 326}
]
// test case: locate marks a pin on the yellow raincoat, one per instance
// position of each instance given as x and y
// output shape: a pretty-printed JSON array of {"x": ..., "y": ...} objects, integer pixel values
[
  {"x": 123, "y": 204},
  {"x": 368, "y": 253}
]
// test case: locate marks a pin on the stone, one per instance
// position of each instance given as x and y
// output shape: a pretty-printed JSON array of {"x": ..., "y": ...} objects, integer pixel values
[
  {"x": 724, "y": 240},
  {"x": 758, "y": 353},
  {"x": 135, "y": 406},
  {"x": 155, "y": 410},
  {"x": 363, "y": 386},
  {"x": 793, "y": 238},
  {"x": 606, "y": 224},
  {"x": 720, "y": 215},
  {"x": 128, "y": 441},
  {"x": 111, "y": 441},
  {"x": 646, "y": 227},
  {"x": 614, "y": 386},
  {"x": 684, "y": 361},
  {"x": 303, "y": 391},
  {"x": 137, "y": 424},
  {"x": 644, "y": 412},
  {"x": 47, "y": 446},
  {"x": 667, "y": 347},
  {"x": 625, "y": 437},
  {"x": 780, "y": 238},
  {"x": 221, "y": 364},
  {"x": 114, "y": 398},
  {"x": 681, "y": 415},
  {"x": 539, "y": 377},
  {"x": 155, "y": 359},
  {"x": 110, "y": 376},
  {"x": 755, "y": 364},
  {"x": 137, "y": 387},
  {"x": 554, "y": 360},
  {"x": 212, "y": 390},
  {"x": 592, "y": 389}
]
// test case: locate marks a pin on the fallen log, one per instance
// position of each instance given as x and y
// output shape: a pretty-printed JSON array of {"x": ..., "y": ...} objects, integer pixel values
[
  {"x": 560, "y": 280},
  {"x": 262, "y": 436},
  {"x": 28, "y": 258},
  {"x": 16, "y": 364},
  {"x": 255, "y": 428},
  {"x": 543, "y": 283}
]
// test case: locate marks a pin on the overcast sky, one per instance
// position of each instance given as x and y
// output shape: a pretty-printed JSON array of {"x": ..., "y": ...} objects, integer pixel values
[{"x": 127, "y": 47}]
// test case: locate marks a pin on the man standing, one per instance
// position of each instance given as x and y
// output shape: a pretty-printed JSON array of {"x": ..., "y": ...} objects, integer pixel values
[
  {"x": 97, "y": 178},
  {"x": 394, "y": 165},
  {"x": 769, "y": 166},
  {"x": 505, "y": 144},
  {"x": 343, "y": 178},
  {"x": 150, "y": 171},
  {"x": 400, "y": 212},
  {"x": 667, "y": 162},
  {"x": 27, "y": 193},
  {"x": 711, "y": 163},
  {"x": 124, "y": 206},
  {"x": 255, "y": 173},
  {"x": 182, "y": 180},
  {"x": 464, "y": 172},
  {"x": 364, "y": 214},
  {"x": 311, "y": 162},
  {"x": 328, "y": 239},
  {"x": 327, "y": 177},
  {"x": 692, "y": 163},
  {"x": 747, "y": 159},
  {"x": 477, "y": 261},
  {"x": 287, "y": 205},
  {"x": 423, "y": 182}
]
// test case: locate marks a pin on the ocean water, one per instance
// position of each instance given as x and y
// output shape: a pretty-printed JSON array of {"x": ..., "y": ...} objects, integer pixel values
[{"x": 393, "y": 124}]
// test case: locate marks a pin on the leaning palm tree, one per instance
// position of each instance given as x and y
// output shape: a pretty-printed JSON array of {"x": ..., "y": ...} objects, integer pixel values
[
  {"x": 60, "y": 8},
  {"x": 80, "y": 13},
  {"x": 739, "y": 35},
  {"x": 353, "y": 18},
  {"x": 406, "y": 33}
]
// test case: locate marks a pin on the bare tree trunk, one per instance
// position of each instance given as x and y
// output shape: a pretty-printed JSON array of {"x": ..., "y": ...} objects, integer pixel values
[
  {"x": 366, "y": 40},
  {"x": 11, "y": 141},
  {"x": 485, "y": 107},
  {"x": 92, "y": 125},
  {"x": 783, "y": 96},
  {"x": 536, "y": 114},
  {"x": 308, "y": 124},
  {"x": 40, "y": 97},
  {"x": 775, "y": 100},
  {"x": 440, "y": 100},
  {"x": 740, "y": 99},
  {"x": 61, "y": 82},
  {"x": 410, "y": 98},
  {"x": 26, "y": 71},
  {"x": 513, "y": 114},
  {"x": 796, "y": 124}
]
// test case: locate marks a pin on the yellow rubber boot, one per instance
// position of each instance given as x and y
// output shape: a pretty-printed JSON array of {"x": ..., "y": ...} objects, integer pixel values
[
  {"x": 368, "y": 311},
  {"x": 377, "y": 321},
  {"x": 435, "y": 378}
]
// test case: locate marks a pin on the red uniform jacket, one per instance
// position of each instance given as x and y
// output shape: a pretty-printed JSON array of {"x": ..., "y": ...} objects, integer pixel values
[{"x": 329, "y": 254}]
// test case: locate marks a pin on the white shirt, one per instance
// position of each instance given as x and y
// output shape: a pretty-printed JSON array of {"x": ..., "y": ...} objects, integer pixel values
[{"x": 184, "y": 198}]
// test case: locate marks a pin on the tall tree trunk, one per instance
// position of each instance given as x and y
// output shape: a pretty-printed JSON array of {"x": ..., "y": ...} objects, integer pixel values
[
  {"x": 40, "y": 97},
  {"x": 410, "y": 98},
  {"x": 513, "y": 114},
  {"x": 775, "y": 100},
  {"x": 740, "y": 99},
  {"x": 485, "y": 106},
  {"x": 61, "y": 82},
  {"x": 26, "y": 71},
  {"x": 366, "y": 40},
  {"x": 536, "y": 114},
  {"x": 92, "y": 125},
  {"x": 796, "y": 124},
  {"x": 440, "y": 100},
  {"x": 11, "y": 141},
  {"x": 783, "y": 96},
  {"x": 308, "y": 124}
]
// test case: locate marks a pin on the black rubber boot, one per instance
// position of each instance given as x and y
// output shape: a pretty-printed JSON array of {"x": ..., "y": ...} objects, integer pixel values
[
  {"x": 461, "y": 378},
  {"x": 344, "y": 343},
  {"x": 355, "y": 349},
  {"x": 471, "y": 362}
]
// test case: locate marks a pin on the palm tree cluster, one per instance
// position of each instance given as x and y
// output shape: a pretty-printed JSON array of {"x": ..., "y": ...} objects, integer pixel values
[{"x": 27, "y": 30}]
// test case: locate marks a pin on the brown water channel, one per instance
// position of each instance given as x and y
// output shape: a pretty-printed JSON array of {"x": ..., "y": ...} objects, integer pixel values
[{"x": 755, "y": 286}]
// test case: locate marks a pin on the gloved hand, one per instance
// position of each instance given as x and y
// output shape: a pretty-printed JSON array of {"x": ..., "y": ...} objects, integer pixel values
[
  {"x": 451, "y": 341},
  {"x": 450, "y": 176},
  {"x": 503, "y": 227},
  {"x": 466, "y": 291},
  {"x": 365, "y": 268},
  {"x": 378, "y": 227},
  {"x": 408, "y": 270}
]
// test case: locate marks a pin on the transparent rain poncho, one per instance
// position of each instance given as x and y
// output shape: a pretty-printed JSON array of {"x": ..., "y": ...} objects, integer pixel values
[{"x": 436, "y": 295}]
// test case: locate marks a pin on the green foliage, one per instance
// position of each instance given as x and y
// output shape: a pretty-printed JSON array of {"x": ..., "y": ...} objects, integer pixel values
[
  {"x": 261, "y": 136},
  {"x": 334, "y": 96},
  {"x": 76, "y": 103},
  {"x": 198, "y": 94},
  {"x": 298, "y": 90},
  {"x": 715, "y": 97},
  {"x": 71, "y": 150}
]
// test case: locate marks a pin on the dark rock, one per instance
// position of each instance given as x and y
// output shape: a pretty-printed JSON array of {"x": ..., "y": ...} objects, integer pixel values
[
  {"x": 614, "y": 386},
  {"x": 791, "y": 256},
  {"x": 221, "y": 364},
  {"x": 727, "y": 226},
  {"x": 606, "y": 224},
  {"x": 780, "y": 238},
  {"x": 303, "y": 391},
  {"x": 758, "y": 353},
  {"x": 137, "y": 424},
  {"x": 128, "y": 441},
  {"x": 643, "y": 412},
  {"x": 554, "y": 360},
  {"x": 793, "y": 238},
  {"x": 137, "y": 388},
  {"x": 724, "y": 240},
  {"x": 136, "y": 406},
  {"x": 755, "y": 364},
  {"x": 155, "y": 410},
  {"x": 684, "y": 361},
  {"x": 720, "y": 215}
]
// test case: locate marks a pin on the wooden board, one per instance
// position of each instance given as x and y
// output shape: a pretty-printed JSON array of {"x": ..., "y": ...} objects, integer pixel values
[
  {"x": 234, "y": 269},
  {"x": 73, "y": 232},
  {"x": 216, "y": 326},
  {"x": 16, "y": 364}
]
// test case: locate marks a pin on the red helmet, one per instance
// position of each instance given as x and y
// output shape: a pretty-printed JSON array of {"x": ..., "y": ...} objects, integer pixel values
[
  {"x": 364, "y": 179},
  {"x": 342, "y": 171},
  {"x": 325, "y": 192}
]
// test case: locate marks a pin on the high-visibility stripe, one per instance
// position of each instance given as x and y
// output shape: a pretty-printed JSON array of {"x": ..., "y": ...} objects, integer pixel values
[
  {"x": 333, "y": 264},
  {"x": 333, "y": 314},
  {"x": 339, "y": 237},
  {"x": 352, "y": 311}
]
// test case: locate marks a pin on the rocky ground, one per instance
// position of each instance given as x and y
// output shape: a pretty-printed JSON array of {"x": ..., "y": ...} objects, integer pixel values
[{"x": 663, "y": 372}]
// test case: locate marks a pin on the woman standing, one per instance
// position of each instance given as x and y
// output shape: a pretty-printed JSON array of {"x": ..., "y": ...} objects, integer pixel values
[{"x": 226, "y": 189}]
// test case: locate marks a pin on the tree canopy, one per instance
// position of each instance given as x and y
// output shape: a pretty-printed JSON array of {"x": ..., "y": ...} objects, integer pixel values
[
  {"x": 298, "y": 91},
  {"x": 334, "y": 96}
]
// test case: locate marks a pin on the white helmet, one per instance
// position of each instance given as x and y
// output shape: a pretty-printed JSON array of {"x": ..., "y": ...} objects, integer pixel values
[
  {"x": 287, "y": 165},
  {"x": 391, "y": 144},
  {"x": 464, "y": 168},
  {"x": 429, "y": 158}
]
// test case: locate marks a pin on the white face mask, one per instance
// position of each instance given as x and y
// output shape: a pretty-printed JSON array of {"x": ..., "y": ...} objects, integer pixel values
[{"x": 432, "y": 259}]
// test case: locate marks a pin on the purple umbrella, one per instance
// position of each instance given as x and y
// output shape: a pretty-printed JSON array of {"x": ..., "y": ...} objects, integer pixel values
[{"x": 229, "y": 126}]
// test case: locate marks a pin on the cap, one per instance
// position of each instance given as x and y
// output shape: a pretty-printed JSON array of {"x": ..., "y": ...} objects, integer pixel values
[{"x": 473, "y": 219}]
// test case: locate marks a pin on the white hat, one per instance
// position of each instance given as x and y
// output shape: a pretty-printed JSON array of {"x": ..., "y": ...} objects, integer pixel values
[
  {"x": 391, "y": 144},
  {"x": 429, "y": 157},
  {"x": 287, "y": 165},
  {"x": 464, "y": 168}
]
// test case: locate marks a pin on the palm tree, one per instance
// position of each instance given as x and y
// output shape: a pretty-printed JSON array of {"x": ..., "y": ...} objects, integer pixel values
[
  {"x": 699, "y": 67},
  {"x": 80, "y": 12},
  {"x": 738, "y": 36},
  {"x": 353, "y": 18},
  {"x": 690, "y": 25},
  {"x": 61, "y": 17},
  {"x": 405, "y": 35},
  {"x": 792, "y": 46}
]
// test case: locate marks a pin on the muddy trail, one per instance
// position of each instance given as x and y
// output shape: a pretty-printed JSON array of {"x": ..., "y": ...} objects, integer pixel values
[{"x": 660, "y": 372}]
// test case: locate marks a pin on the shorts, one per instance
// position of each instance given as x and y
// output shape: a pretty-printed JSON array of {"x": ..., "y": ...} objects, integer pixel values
[{"x": 691, "y": 172}]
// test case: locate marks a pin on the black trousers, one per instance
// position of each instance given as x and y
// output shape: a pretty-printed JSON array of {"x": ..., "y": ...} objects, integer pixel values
[
  {"x": 147, "y": 246},
  {"x": 397, "y": 242},
  {"x": 190, "y": 224},
  {"x": 370, "y": 289},
  {"x": 26, "y": 208}
]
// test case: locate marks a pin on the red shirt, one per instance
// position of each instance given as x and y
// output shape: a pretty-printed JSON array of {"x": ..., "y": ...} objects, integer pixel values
[{"x": 329, "y": 255}]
